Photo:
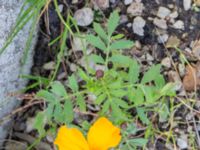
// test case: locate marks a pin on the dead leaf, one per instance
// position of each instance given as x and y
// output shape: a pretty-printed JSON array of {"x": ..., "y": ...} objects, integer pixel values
[
  {"x": 192, "y": 77},
  {"x": 172, "y": 42}
]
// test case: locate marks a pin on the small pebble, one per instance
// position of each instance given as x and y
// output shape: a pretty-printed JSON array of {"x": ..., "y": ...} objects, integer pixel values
[
  {"x": 127, "y": 2},
  {"x": 149, "y": 57},
  {"x": 181, "y": 69},
  {"x": 187, "y": 4},
  {"x": 78, "y": 43},
  {"x": 174, "y": 77},
  {"x": 166, "y": 62},
  {"x": 179, "y": 25},
  {"x": 84, "y": 16},
  {"x": 161, "y": 23},
  {"x": 30, "y": 124},
  {"x": 61, "y": 7},
  {"x": 136, "y": 8},
  {"x": 49, "y": 65},
  {"x": 129, "y": 25},
  {"x": 49, "y": 138},
  {"x": 138, "y": 44},
  {"x": 182, "y": 144},
  {"x": 174, "y": 15},
  {"x": 102, "y": 4},
  {"x": 138, "y": 25},
  {"x": 73, "y": 67},
  {"x": 163, "y": 38},
  {"x": 11, "y": 145},
  {"x": 163, "y": 12},
  {"x": 189, "y": 116},
  {"x": 74, "y": 1}
]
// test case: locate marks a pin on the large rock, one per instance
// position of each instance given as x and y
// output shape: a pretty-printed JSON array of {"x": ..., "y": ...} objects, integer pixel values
[{"x": 10, "y": 66}]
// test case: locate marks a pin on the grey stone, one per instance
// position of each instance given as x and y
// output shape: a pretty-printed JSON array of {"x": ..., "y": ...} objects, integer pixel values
[
  {"x": 163, "y": 38},
  {"x": 187, "y": 4},
  {"x": 138, "y": 25},
  {"x": 173, "y": 15},
  {"x": 74, "y": 1},
  {"x": 175, "y": 78},
  {"x": 182, "y": 143},
  {"x": 49, "y": 65},
  {"x": 30, "y": 124},
  {"x": 166, "y": 62},
  {"x": 10, "y": 66},
  {"x": 127, "y": 2},
  {"x": 161, "y": 23},
  {"x": 163, "y": 12},
  {"x": 84, "y": 16},
  {"x": 12, "y": 145},
  {"x": 181, "y": 69},
  {"x": 136, "y": 8},
  {"x": 30, "y": 139},
  {"x": 179, "y": 25},
  {"x": 79, "y": 44},
  {"x": 102, "y": 4}
]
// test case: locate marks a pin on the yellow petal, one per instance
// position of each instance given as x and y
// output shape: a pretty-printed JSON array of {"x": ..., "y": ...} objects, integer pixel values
[
  {"x": 103, "y": 135},
  {"x": 70, "y": 139}
]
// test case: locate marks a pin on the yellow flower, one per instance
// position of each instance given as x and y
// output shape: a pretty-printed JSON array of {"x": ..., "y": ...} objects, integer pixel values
[{"x": 101, "y": 136}]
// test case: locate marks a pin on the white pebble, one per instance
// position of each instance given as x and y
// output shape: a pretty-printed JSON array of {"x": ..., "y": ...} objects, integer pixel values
[
  {"x": 163, "y": 38},
  {"x": 166, "y": 62},
  {"x": 182, "y": 144},
  {"x": 136, "y": 8},
  {"x": 138, "y": 25},
  {"x": 179, "y": 25},
  {"x": 174, "y": 15},
  {"x": 161, "y": 23},
  {"x": 187, "y": 4},
  {"x": 84, "y": 16},
  {"x": 163, "y": 12},
  {"x": 127, "y": 2}
]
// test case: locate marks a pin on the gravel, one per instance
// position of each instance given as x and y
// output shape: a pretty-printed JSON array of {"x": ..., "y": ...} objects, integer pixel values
[
  {"x": 84, "y": 16},
  {"x": 78, "y": 43},
  {"x": 187, "y": 4},
  {"x": 128, "y": 2},
  {"x": 138, "y": 25},
  {"x": 163, "y": 38},
  {"x": 179, "y": 25},
  {"x": 182, "y": 144},
  {"x": 102, "y": 4},
  {"x": 166, "y": 62},
  {"x": 136, "y": 8},
  {"x": 161, "y": 23},
  {"x": 163, "y": 12}
]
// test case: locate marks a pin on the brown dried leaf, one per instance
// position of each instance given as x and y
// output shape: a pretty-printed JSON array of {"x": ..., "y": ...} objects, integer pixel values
[{"x": 192, "y": 77}]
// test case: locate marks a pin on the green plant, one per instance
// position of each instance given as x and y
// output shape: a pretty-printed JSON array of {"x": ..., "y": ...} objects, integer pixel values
[{"x": 117, "y": 89}]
